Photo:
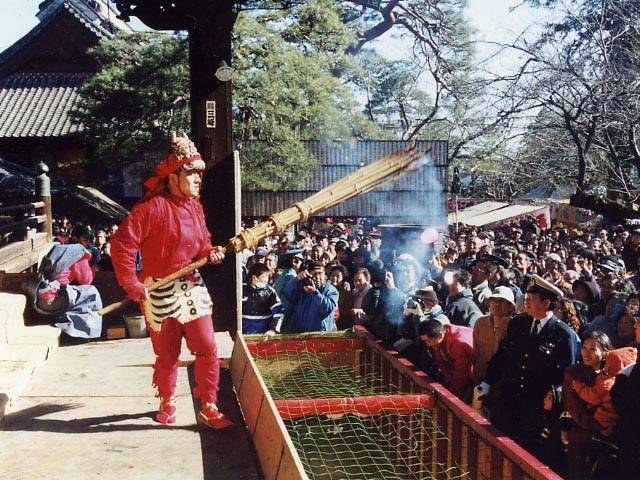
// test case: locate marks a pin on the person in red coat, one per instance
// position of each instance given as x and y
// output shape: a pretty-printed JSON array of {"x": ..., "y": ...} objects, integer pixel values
[
  {"x": 168, "y": 227},
  {"x": 452, "y": 347}
]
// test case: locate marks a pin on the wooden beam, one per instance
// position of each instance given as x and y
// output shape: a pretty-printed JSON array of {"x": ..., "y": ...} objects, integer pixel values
[
  {"x": 277, "y": 454},
  {"x": 29, "y": 259}
]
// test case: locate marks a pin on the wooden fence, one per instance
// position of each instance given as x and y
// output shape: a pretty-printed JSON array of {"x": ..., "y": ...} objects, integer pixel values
[
  {"x": 463, "y": 444},
  {"x": 22, "y": 249},
  {"x": 470, "y": 442}
]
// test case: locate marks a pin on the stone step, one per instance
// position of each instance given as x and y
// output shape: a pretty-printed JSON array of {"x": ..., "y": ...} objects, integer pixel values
[
  {"x": 38, "y": 335},
  {"x": 36, "y": 353},
  {"x": 13, "y": 329},
  {"x": 11, "y": 315},
  {"x": 22, "y": 348},
  {"x": 14, "y": 378},
  {"x": 18, "y": 332}
]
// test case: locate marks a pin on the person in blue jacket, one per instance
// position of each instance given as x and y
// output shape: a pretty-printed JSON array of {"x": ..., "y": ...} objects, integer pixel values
[{"x": 315, "y": 300}]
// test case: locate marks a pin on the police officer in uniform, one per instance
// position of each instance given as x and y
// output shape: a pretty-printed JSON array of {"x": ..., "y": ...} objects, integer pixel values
[{"x": 530, "y": 360}]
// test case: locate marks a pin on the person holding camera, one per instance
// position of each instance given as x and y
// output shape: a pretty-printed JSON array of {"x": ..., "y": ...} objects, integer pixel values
[
  {"x": 419, "y": 307},
  {"x": 314, "y": 298}
]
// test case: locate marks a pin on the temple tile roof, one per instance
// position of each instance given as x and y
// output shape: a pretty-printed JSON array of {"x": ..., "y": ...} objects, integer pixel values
[
  {"x": 37, "y": 105},
  {"x": 101, "y": 27}
]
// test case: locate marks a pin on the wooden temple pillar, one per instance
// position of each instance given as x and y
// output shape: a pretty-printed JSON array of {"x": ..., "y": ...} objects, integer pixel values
[
  {"x": 211, "y": 123},
  {"x": 210, "y": 24}
]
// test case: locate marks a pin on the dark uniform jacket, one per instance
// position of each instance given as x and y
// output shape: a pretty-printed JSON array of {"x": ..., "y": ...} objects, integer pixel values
[
  {"x": 527, "y": 366},
  {"x": 369, "y": 305},
  {"x": 624, "y": 395},
  {"x": 388, "y": 316}
]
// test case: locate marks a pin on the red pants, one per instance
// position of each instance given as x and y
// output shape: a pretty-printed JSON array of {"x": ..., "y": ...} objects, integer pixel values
[{"x": 201, "y": 342}]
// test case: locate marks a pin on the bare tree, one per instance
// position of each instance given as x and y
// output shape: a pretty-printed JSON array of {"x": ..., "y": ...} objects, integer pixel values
[{"x": 582, "y": 73}]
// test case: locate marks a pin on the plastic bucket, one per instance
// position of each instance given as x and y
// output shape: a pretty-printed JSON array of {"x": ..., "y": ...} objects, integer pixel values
[{"x": 136, "y": 326}]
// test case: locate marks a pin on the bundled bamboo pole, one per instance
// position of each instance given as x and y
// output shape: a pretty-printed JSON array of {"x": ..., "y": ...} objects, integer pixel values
[{"x": 384, "y": 170}]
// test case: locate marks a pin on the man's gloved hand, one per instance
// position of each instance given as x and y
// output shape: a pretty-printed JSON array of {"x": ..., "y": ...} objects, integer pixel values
[
  {"x": 137, "y": 292},
  {"x": 268, "y": 335}
]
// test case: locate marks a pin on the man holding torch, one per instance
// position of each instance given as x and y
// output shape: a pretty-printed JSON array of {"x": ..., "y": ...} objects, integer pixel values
[{"x": 168, "y": 227}]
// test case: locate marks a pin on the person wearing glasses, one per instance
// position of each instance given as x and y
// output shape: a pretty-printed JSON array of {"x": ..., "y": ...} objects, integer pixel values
[{"x": 314, "y": 298}]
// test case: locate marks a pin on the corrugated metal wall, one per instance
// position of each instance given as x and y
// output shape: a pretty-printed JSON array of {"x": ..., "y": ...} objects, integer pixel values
[{"x": 418, "y": 198}]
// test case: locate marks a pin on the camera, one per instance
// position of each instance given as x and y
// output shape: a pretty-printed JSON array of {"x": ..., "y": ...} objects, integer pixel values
[
  {"x": 306, "y": 265},
  {"x": 414, "y": 306},
  {"x": 566, "y": 422},
  {"x": 412, "y": 303},
  {"x": 307, "y": 282}
]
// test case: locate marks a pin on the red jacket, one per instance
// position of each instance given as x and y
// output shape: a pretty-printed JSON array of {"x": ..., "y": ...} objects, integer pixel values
[
  {"x": 598, "y": 395},
  {"x": 454, "y": 358},
  {"x": 169, "y": 231}
]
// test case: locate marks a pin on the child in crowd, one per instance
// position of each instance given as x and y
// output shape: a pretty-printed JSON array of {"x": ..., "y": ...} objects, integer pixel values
[
  {"x": 599, "y": 395},
  {"x": 261, "y": 307}
]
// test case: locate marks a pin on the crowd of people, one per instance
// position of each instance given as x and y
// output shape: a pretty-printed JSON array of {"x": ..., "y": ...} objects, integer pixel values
[
  {"x": 543, "y": 323},
  {"x": 95, "y": 239}
]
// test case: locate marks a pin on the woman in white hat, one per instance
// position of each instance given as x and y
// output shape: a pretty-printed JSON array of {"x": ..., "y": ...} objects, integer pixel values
[{"x": 489, "y": 330}]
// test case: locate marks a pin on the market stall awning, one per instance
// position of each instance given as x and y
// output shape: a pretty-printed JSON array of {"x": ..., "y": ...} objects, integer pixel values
[
  {"x": 501, "y": 215},
  {"x": 475, "y": 210}
]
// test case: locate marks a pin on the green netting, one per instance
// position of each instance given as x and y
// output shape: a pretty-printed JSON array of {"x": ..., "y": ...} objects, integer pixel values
[
  {"x": 383, "y": 447},
  {"x": 303, "y": 375},
  {"x": 351, "y": 446}
]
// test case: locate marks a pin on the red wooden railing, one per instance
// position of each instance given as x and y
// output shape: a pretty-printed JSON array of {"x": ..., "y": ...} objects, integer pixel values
[{"x": 469, "y": 445}]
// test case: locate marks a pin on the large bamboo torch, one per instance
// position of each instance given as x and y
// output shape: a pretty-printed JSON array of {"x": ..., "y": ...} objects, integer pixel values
[{"x": 384, "y": 170}]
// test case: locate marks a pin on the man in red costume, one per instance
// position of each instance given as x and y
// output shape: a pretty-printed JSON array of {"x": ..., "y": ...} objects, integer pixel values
[{"x": 167, "y": 226}]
